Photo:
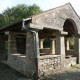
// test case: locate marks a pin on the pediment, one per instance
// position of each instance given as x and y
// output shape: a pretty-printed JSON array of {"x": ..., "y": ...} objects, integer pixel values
[{"x": 54, "y": 18}]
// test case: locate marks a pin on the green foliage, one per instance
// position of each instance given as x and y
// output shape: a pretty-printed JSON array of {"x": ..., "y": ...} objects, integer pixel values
[
  {"x": 18, "y": 12},
  {"x": 46, "y": 43},
  {"x": 1, "y": 20},
  {"x": 71, "y": 42},
  {"x": 34, "y": 9}
]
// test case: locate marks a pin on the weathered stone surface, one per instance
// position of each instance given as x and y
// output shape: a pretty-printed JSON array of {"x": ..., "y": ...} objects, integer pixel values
[
  {"x": 49, "y": 64},
  {"x": 77, "y": 49},
  {"x": 12, "y": 48},
  {"x": 53, "y": 19},
  {"x": 17, "y": 61},
  {"x": 31, "y": 54},
  {"x": 56, "y": 17}
]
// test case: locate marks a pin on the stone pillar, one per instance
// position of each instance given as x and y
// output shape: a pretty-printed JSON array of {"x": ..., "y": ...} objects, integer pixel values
[
  {"x": 66, "y": 43},
  {"x": 77, "y": 48},
  {"x": 31, "y": 54},
  {"x": 12, "y": 47},
  {"x": 41, "y": 43},
  {"x": 52, "y": 46},
  {"x": 60, "y": 47}
]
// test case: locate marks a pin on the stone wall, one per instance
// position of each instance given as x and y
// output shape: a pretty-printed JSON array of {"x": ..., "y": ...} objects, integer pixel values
[
  {"x": 48, "y": 64},
  {"x": 45, "y": 50},
  {"x": 18, "y": 62},
  {"x": 70, "y": 61},
  {"x": 70, "y": 52}
]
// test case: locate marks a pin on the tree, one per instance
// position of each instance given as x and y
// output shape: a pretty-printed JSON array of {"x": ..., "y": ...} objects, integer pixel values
[
  {"x": 1, "y": 20},
  {"x": 71, "y": 41},
  {"x": 18, "y": 12},
  {"x": 34, "y": 9}
]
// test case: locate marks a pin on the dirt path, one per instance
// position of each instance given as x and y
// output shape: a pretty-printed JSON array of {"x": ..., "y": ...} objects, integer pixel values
[
  {"x": 72, "y": 73},
  {"x": 8, "y": 73}
]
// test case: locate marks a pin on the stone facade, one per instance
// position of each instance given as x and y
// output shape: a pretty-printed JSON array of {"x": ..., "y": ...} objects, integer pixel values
[
  {"x": 45, "y": 51},
  {"x": 17, "y": 61},
  {"x": 69, "y": 61},
  {"x": 30, "y": 55},
  {"x": 56, "y": 17},
  {"x": 48, "y": 64},
  {"x": 55, "y": 25}
]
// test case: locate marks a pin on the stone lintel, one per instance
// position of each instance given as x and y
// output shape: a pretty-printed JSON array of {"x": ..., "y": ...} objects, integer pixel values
[
  {"x": 67, "y": 38},
  {"x": 60, "y": 33},
  {"x": 41, "y": 39},
  {"x": 52, "y": 39},
  {"x": 63, "y": 32},
  {"x": 39, "y": 27},
  {"x": 48, "y": 56},
  {"x": 11, "y": 33},
  {"x": 34, "y": 26}
]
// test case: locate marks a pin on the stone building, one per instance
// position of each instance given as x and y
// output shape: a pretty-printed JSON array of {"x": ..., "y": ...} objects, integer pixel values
[{"x": 26, "y": 52}]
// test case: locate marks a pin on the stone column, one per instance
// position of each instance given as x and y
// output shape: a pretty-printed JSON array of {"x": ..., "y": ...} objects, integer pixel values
[
  {"x": 52, "y": 46},
  {"x": 60, "y": 47},
  {"x": 41, "y": 43},
  {"x": 77, "y": 48},
  {"x": 31, "y": 54},
  {"x": 67, "y": 43},
  {"x": 12, "y": 48}
]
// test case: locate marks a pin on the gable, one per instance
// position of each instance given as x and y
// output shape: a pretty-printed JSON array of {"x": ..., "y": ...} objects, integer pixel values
[{"x": 56, "y": 17}]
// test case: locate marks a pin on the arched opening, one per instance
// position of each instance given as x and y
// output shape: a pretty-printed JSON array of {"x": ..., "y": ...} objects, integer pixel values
[{"x": 70, "y": 27}]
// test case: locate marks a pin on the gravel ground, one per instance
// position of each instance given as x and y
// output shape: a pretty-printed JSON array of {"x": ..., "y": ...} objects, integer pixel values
[
  {"x": 72, "y": 73},
  {"x": 8, "y": 73}
]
